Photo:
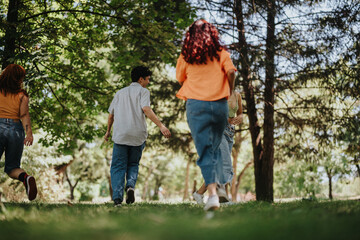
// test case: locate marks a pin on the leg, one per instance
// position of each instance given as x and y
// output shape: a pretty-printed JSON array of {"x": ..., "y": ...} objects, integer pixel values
[
  {"x": 207, "y": 121},
  {"x": 14, "y": 147},
  {"x": 199, "y": 194},
  {"x": 227, "y": 188},
  {"x": 14, "y": 173},
  {"x": 13, "y": 144},
  {"x": 118, "y": 170},
  {"x": 213, "y": 201},
  {"x": 202, "y": 189},
  {"x": 226, "y": 167},
  {"x": 132, "y": 171}
]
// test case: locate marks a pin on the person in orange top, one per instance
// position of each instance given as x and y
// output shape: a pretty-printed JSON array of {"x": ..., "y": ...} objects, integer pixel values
[
  {"x": 207, "y": 74},
  {"x": 14, "y": 118}
]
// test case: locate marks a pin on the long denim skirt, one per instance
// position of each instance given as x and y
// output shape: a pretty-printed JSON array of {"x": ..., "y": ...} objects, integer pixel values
[{"x": 207, "y": 121}]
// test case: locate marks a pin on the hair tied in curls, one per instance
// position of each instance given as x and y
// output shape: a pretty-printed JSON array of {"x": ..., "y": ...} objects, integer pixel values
[{"x": 201, "y": 43}]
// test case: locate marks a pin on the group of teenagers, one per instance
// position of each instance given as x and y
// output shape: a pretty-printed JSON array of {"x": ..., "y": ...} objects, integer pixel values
[{"x": 213, "y": 108}]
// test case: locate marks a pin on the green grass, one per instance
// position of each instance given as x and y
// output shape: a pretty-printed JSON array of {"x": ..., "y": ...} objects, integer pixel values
[{"x": 252, "y": 220}]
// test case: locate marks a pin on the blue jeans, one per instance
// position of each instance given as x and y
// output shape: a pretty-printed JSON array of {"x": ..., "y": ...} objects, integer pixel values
[
  {"x": 125, "y": 163},
  {"x": 12, "y": 142},
  {"x": 225, "y": 170},
  {"x": 207, "y": 121}
]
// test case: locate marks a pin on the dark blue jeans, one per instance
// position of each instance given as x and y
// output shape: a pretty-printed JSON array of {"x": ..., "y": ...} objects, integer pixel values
[
  {"x": 11, "y": 142},
  {"x": 125, "y": 163},
  {"x": 207, "y": 121}
]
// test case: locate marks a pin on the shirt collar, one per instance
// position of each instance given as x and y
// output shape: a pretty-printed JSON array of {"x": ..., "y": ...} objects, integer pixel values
[{"x": 135, "y": 84}]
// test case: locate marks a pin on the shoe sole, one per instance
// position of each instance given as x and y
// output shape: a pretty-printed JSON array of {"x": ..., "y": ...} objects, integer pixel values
[
  {"x": 213, "y": 208},
  {"x": 130, "y": 197},
  {"x": 32, "y": 189},
  {"x": 223, "y": 199}
]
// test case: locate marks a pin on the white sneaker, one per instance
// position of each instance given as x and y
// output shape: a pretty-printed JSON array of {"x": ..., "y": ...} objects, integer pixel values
[
  {"x": 221, "y": 192},
  {"x": 198, "y": 198},
  {"x": 212, "y": 203}
]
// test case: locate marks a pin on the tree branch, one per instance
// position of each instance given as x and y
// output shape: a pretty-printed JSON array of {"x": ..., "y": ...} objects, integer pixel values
[{"x": 71, "y": 11}]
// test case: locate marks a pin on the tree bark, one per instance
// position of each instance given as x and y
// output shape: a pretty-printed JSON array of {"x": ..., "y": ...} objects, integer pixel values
[
  {"x": 72, "y": 187},
  {"x": 10, "y": 34},
  {"x": 249, "y": 92},
  {"x": 238, "y": 180},
  {"x": 329, "y": 175},
  {"x": 358, "y": 169},
  {"x": 194, "y": 186},
  {"x": 146, "y": 182},
  {"x": 158, "y": 183},
  {"x": 263, "y": 157},
  {"x": 265, "y": 169},
  {"x": 186, "y": 187},
  {"x": 356, "y": 162},
  {"x": 110, "y": 187}
]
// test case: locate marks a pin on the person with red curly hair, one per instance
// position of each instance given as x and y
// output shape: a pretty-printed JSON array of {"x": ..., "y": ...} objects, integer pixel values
[
  {"x": 14, "y": 118},
  {"x": 207, "y": 74}
]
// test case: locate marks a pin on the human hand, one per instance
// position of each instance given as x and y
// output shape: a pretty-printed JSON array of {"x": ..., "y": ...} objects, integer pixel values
[
  {"x": 28, "y": 141},
  {"x": 236, "y": 120},
  {"x": 165, "y": 131},
  {"x": 106, "y": 137}
]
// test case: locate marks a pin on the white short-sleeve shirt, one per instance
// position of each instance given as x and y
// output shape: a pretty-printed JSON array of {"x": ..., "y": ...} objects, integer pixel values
[{"x": 129, "y": 119}]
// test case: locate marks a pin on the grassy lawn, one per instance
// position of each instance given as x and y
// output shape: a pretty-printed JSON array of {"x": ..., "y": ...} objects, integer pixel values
[{"x": 252, "y": 220}]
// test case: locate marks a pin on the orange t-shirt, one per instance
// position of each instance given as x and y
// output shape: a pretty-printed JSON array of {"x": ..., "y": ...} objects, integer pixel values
[
  {"x": 207, "y": 82},
  {"x": 10, "y": 105}
]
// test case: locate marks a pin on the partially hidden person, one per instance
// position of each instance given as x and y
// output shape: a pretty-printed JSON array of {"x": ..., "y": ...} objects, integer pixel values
[{"x": 225, "y": 169}]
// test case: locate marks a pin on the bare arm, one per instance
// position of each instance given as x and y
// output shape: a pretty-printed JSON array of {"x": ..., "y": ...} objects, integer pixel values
[
  {"x": 25, "y": 119},
  {"x": 231, "y": 78},
  {"x": 239, "y": 114},
  {"x": 150, "y": 114},
  {"x": 110, "y": 123}
]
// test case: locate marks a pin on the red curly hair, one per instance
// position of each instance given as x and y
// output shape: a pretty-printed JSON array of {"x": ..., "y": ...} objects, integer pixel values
[
  {"x": 201, "y": 41},
  {"x": 11, "y": 79}
]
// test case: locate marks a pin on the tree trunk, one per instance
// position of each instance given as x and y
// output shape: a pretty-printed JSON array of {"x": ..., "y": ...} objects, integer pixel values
[
  {"x": 72, "y": 187},
  {"x": 146, "y": 183},
  {"x": 358, "y": 169},
  {"x": 10, "y": 34},
  {"x": 238, "y": 180},
  {"x": 329, "y": 175},
  {"x": 186, "y": 187},
  {"x": 110, "y": 187},
  {"x": 356, "y": 161},
  {"x": 249, "y": 94},
  {"x": 156, "y": 190},
  {"x": 194, "y": 186},
  {"x": 265, "y": 170}
]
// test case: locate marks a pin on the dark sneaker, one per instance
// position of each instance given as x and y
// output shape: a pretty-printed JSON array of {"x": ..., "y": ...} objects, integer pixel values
[
  {"x": 130, "y": 195},
  {"x": 117, "y": 202},
  {"x": 30, "y": 186}
]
